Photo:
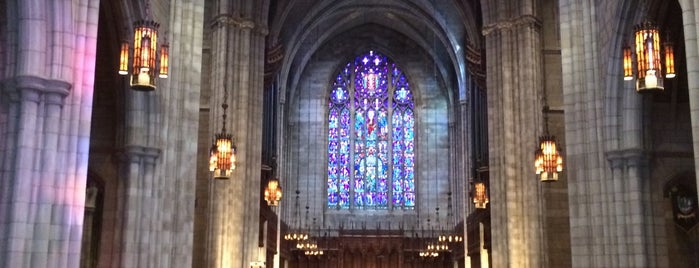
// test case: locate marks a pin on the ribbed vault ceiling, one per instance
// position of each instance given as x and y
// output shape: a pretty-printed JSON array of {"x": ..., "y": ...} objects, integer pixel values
[{"x": 440, "y": 27}]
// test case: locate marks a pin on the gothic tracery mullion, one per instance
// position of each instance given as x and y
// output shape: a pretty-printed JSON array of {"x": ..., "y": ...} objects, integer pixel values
[{"x": 381, "y": 171}]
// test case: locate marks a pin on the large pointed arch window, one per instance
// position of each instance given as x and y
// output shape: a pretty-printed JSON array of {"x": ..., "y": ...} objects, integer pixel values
[{"x": 371, "y": 126}]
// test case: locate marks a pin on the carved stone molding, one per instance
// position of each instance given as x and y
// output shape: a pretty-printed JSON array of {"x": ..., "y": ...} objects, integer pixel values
[
  {"x": 511, "y": 23},
  {"x": 34, "y": 88},
  {"x": 135, "y": 153},
  {"x": 228, "y": 20},
  {"x": 627, "y": 157}
]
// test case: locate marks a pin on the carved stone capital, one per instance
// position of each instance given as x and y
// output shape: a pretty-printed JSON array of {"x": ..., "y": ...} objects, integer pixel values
[
  {"x": 635, "y": 158},
  {"x": 626, "y": 158},
  {"x": 524, "y": 20},
  {"x": 136, "y": 153},
  {"x": 615, "y": 158},
  {"x": 228, "y": 20},
  {"x": 34, "y": 89}
]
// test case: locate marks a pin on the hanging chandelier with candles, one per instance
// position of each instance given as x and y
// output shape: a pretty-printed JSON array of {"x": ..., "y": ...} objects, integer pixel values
[
  {"x": 307, "y": 245},
  {"x": 143, "y": 55},
  {"x": 296, "y": 234},
  {"x": 649, "y": 63},
  {"x": 429, "y": 251},
  {"x": 314, "y": 252},
  {"x": 450, "y": 236}
]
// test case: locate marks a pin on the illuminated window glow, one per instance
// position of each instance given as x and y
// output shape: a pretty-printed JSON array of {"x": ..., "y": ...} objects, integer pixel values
[{"x": 371, "y": 126}]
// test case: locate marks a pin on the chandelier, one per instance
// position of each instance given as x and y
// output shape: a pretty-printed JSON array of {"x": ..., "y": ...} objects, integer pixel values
[
  {"x": 426, "y": 253},
  {"x": 223, "y": 151},
  {"x": 273, "y": 193},
  {"x": 296, "y": 234},
  {"x": 547, "y": 159},
  {"x": 307, "y": 245},
  {"x": 451, "y": 236},
  {"x": 314, "y": 252},
  {"x": 649, "y": 75},
  {"x": 437, "y": 247},
  {"x": 144, "y": 54},
  {"x": 429, "y": 251},
  {"x": 480, "y": 195}
]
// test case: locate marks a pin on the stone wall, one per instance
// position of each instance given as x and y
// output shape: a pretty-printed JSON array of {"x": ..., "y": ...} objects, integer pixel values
[{"x": 307, "y": 131}]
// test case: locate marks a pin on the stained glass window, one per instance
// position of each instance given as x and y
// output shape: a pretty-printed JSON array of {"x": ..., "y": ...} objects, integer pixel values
[{"x": 371, "y": 136}]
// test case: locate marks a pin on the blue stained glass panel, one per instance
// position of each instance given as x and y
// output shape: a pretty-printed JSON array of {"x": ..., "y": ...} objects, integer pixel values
[{"x": 359, "y": 118}]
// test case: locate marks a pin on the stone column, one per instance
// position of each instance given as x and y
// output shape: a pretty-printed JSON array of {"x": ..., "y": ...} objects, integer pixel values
[
  {"x": 617, "y": 234},
  {"x": 156, "y": 187},
  {"x": 178, "y": 112},
  {"x": 588, "y": 175},
  {"x": 690, "y": 8},
  {"x": 238, "y": 31},
  {"x": 136, "y": 208},
  {"x": 46, "y": 98},
  {"x": 464, "y": 167},
  {"x": 514, "y": 84}
]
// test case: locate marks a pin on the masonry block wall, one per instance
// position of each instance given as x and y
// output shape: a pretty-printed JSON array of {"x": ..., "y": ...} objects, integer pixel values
[{"x": 307, "y": 132}]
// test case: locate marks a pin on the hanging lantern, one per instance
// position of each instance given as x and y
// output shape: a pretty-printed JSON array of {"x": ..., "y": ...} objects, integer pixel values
[
  {"x": 273, "y": 193},
  {"x": 145, "y": 46},
  {"x": 124, "y": 59},
  {"x": 548, "y": 161},
  {"x": 648, "y": 56},
  {"x": 222, "y": 152},
  {"x": 669, "y": 60},
  {"x": 222, "y": 156},
  {"x": 628, "y": 64},
  {"x": 649, "y": 76},
  {"x": 480, "y": 195},
  {"x": 164, "y": 61}
]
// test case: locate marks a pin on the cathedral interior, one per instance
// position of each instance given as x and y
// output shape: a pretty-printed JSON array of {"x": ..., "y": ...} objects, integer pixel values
[{"x": 355, "y": 133}]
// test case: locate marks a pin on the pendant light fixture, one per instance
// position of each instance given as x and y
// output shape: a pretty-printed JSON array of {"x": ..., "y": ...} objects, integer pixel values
[
  {"x": 649, "y": 63},
  {"x": 308, "y": 243},
  {"x": 222, "y": 155},
  {"x": 450, "y": 236},
  {"x": 144, "y": 66},
  {"x": 296, "y": 234},
  {"x": 429, "y": 250},
  {"x": 548, "y": 159},
  {"x": 480, "y": 195},
  {"x": 273, "y": 191}
]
